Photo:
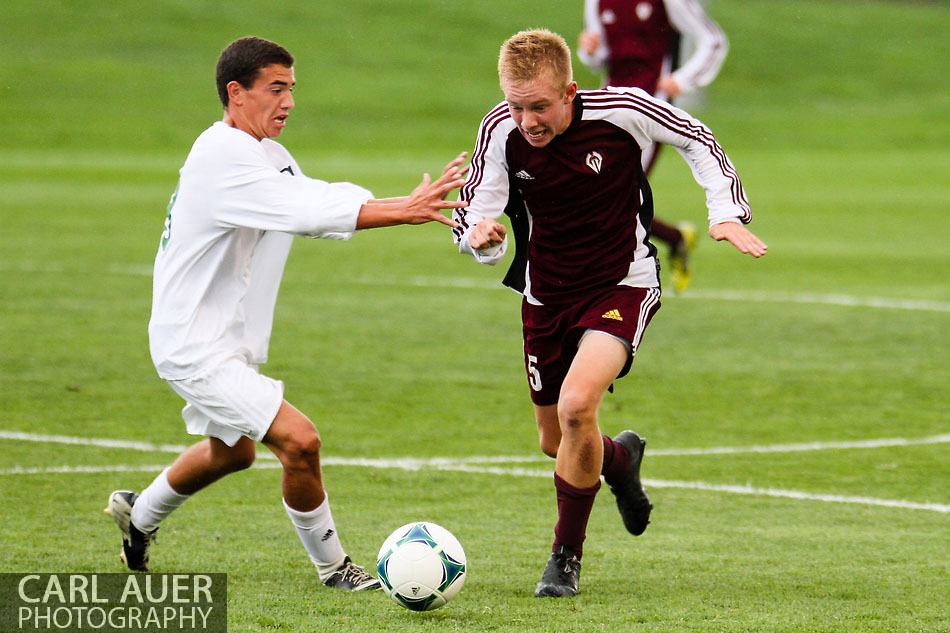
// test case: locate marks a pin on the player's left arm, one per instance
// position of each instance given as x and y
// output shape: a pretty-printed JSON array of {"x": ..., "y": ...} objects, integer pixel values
[
  {"x": 711, "y": 46},
  {"x": 649, "y": 119}
]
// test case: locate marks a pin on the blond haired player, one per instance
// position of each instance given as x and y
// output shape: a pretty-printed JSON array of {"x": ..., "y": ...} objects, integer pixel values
[{"x": 564, "y": 165}]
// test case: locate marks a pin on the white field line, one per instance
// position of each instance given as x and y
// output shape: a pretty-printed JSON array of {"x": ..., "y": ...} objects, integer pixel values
[
  {"x": 424, "y": 281},
  {"x": 806, "y": 446},
  {"x": 415, "y": 465},
  {"x": 804, "y": 496},
  {"x": 93, "y": 441},
  {"x": 836, "y": 299},
  {"x": 471, "y": 464}
]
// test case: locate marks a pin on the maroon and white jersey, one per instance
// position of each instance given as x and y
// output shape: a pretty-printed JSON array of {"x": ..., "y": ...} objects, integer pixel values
[
  {"x": 639, "y": 40},
  {"x": 583, "y": 197}
]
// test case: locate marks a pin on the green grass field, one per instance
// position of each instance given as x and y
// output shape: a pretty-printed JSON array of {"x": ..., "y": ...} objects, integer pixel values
[{"x": 797, "y": 407}]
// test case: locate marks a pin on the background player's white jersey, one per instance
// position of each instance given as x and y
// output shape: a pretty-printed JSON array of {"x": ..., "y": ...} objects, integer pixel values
[{"x": 229, "y": 229}]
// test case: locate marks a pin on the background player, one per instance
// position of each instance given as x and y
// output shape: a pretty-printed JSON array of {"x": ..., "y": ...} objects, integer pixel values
[
  {"x": 240, "y": 201},
  {"x": 638, "y": 43},
  {"x": 564, "y": 164}
]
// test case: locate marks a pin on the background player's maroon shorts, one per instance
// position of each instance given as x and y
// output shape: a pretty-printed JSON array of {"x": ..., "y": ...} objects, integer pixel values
[{"x": 552, "y": 333}]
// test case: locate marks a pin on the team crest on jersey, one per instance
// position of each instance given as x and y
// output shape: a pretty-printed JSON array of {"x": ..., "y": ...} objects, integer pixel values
[
  {"x": 595, "y": 161},
  {"x": 644, "y": 11}
]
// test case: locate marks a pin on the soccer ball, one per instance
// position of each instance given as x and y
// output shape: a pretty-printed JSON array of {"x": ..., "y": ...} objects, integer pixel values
[{"x": 421, "y": 566}]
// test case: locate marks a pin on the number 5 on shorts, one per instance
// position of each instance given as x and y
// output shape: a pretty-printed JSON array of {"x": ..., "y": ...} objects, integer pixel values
[{"x": 534, "y": 376}]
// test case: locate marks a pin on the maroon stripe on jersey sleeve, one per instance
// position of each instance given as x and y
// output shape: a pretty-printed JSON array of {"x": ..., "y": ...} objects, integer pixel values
[
  {"x": 497, "y": 115},
  {"x": 684, "y": 127},
  {"x": 608, "y": 100},
  {"x": 489, "y": 123}
]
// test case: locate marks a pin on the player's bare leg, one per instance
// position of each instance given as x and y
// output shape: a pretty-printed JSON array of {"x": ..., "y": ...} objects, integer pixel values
[
  {"x": 200, "y": 465},
  {"x": 600, "y": 358},
  {"x": 294, "y": 439},
  {"x": 580, "y": 455},
  {"x": 207, "y": 461},
  {"x": 549, "y": 429}
]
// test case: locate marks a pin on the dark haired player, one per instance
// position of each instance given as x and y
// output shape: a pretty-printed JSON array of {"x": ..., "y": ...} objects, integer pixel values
[
  {"x": 240, "y": 201},
  {"x": 564, "y": 165}
]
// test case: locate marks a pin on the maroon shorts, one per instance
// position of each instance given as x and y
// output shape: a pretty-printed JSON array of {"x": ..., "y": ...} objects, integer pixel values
[{"x": 553, "y": 332}]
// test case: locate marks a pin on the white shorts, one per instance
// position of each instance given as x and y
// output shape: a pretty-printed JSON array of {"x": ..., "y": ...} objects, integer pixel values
[{"x": 230, "y": 401}]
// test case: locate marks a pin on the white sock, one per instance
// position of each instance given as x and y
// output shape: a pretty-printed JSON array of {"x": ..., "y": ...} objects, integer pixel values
[
  {"x": 155, "y": 503},
  {"x": 318, "y": 534}
]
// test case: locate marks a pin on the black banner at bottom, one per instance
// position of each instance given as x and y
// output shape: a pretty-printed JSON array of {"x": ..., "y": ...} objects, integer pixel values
[{"x": 114, "y": 603}]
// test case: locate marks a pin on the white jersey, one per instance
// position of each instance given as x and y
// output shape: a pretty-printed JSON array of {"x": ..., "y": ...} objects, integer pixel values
[{"x": 228, "y": 232}]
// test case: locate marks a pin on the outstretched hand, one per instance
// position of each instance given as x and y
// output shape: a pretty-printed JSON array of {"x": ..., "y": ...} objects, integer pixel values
[
  {"x": 427, "y": 200},
  {"x": 740, "y": 237}
]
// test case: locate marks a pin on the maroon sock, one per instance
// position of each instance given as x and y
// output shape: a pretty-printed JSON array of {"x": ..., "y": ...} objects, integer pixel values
[
  {"x": 616, "y": 461},
  {"x": 573, "y": 511},
  {"x": 665, "y": 232}
]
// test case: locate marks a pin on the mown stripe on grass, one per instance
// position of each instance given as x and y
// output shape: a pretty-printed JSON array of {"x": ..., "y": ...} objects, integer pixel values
[{"x": 423, "y": 281}]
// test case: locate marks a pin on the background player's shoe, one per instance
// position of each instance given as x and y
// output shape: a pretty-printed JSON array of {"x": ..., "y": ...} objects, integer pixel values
[
  {"x": 679, "y": 257},
  {"x": 135, "y": 543},
  {"x": 632, "y": 499},
  {"x": 351, "y": 577},
  {"x": 561, "y": 575}
]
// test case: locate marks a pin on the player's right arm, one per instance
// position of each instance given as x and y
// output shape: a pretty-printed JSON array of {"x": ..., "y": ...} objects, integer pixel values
[
  {"x": 592, "y": 45},
  {"x": 479, "y": 233},
  {"x": 243, "y": 183}
]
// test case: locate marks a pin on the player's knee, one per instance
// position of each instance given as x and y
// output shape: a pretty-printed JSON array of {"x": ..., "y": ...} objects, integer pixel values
[
  {"x": 303, "y": 448},
  {"x": 243, "y": 458},
  {"x": 576, "y": 410},
  {"x": 228, "y": 459}
]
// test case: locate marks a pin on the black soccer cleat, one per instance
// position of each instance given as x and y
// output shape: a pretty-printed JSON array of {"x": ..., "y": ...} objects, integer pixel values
[
  {"x": 560, "y": 576},
  {"x": 351, "y": 577},
  {"x": 135, "y": 543},
  {"x": 632, "y": 499}
]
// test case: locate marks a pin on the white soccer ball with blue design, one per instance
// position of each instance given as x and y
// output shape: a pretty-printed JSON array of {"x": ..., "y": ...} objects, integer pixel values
[{"x": 421, "y": 566}]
